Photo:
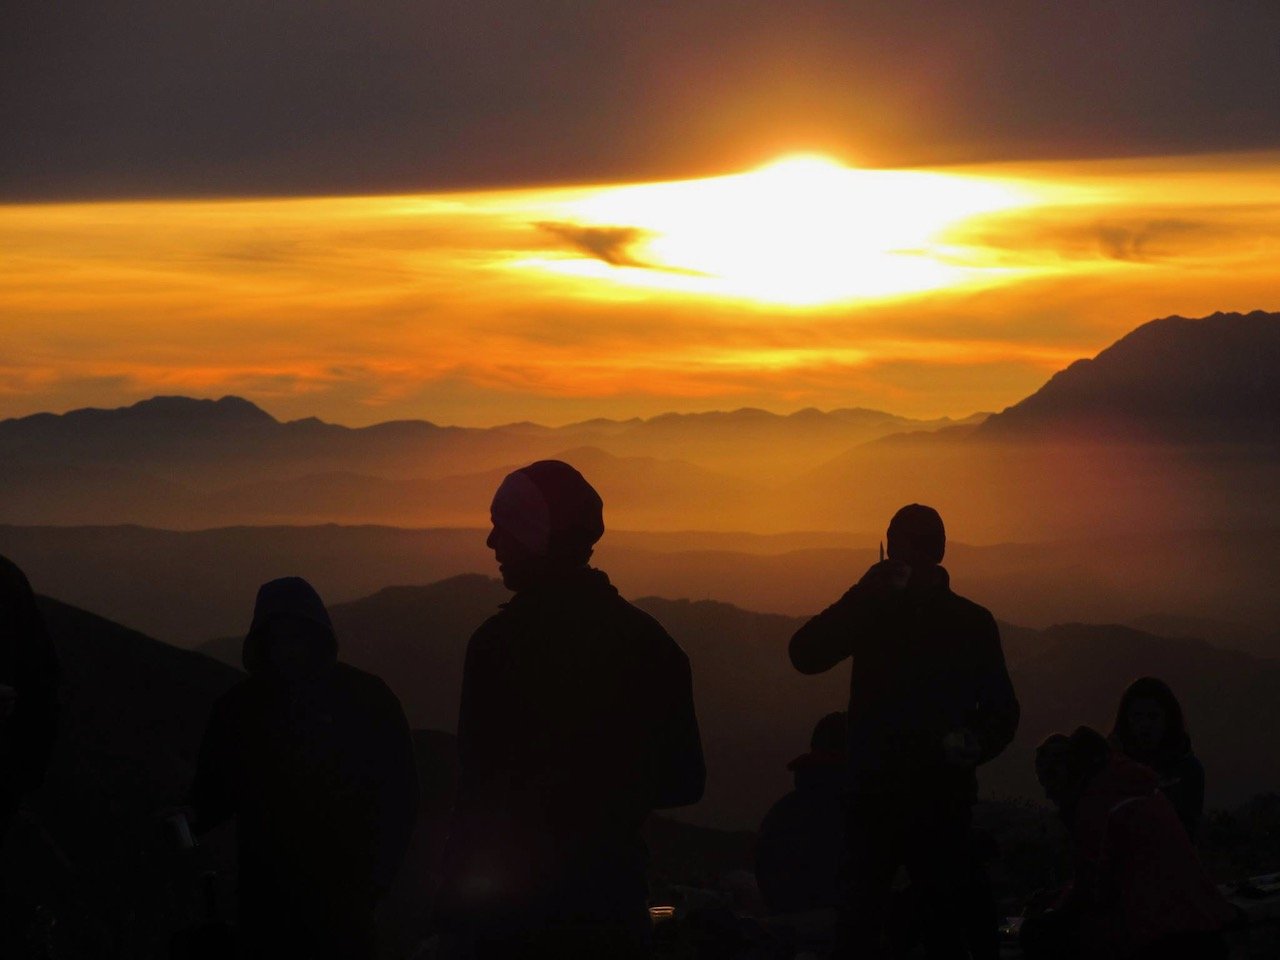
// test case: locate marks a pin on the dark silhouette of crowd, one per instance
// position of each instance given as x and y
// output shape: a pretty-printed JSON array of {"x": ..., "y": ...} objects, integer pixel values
[{"x": 577, "y": 721}]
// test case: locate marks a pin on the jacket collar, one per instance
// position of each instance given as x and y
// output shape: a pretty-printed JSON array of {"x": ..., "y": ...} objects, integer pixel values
[{"x": 577, "y": 584}]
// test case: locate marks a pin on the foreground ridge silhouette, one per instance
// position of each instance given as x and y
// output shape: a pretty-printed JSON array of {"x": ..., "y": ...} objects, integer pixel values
[
  {"x": 929, "y": 700},
  {"x": 28, "y": 692},
  {"x": 577, "y": 719}
]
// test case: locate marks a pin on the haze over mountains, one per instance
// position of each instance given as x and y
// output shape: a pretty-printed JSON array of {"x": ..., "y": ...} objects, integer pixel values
[
  {"x": 185, "y": 587},
  {"x": 1167, "y": 510},
  {"x": 1175, "y": 425}
]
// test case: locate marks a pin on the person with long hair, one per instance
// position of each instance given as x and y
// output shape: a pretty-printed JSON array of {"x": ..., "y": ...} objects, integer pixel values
[{"x": 1150, "y": 728}]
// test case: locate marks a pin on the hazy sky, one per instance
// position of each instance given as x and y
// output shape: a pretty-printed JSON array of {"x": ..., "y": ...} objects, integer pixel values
[
  {"x": 180, "y": 97},
  {"x": 490, "y": 211}
]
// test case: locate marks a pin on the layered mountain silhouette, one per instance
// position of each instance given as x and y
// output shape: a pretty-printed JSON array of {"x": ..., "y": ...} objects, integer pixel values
[
  {"x": 1176, "y": 420},
  {"x": 185, "y": 587},
  {"x": 206, "y": 441},
  {"x": 1172, "y": 428}
]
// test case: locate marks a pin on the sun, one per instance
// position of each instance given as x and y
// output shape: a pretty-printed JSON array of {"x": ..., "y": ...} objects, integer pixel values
[{"x": 802, "y": 230}]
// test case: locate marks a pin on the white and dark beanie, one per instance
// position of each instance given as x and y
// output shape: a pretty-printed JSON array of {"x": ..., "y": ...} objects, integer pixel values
[{"x": 551, "y": 510}]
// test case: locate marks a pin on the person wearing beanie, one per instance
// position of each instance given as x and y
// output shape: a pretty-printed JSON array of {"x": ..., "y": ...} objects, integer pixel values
[
  {"x": 313, "y": 760},
  {"x": 576, "y": 720},
  {"x": 929, "y": 701}
]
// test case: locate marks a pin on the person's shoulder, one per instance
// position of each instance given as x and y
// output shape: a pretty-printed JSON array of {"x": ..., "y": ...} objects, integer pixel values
[
  {"x": 361, "y": 681},
  {"x": 971, "y": 610},
  {"x": 491, "y": 632},
  {"x": 646, "y": 628}
]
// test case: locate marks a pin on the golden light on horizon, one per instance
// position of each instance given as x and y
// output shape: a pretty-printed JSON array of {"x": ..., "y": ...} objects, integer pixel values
[
  {"x": 804, "y": 230},
  {"x": 801, "y": 283}
]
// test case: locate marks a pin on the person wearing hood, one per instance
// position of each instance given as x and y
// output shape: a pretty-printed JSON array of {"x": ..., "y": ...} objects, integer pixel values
[
  {"x": 313, "y": 760},
  {"x": 576, "y": 720},
  {"x": 28, "y": 692},
  {"x": 929, "y": 701},
  {"x": 800, "y": 849},
  {"x": 1138, "y": 889},
  {"x": 1150, "y": 729}
]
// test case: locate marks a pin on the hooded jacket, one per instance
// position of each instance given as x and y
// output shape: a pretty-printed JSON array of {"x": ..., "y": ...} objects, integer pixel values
[
  {"x": 576, "y": 720},
  {"x": 317, "y": 770},
  {"x": 1137, "y": 878},
  {"x": 925, "y": 662}
]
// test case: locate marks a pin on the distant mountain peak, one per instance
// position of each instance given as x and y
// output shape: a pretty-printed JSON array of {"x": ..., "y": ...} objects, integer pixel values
[
  {"x": 226, "y": 409},
  {"x": 1212, "y": 378}
]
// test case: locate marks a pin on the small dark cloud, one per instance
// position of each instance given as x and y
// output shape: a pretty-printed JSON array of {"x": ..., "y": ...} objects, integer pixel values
[
  {"x": 1152, "y": 240},
  {"x": 1139, "y": 237},
  {"x": 613, "y": 245}
]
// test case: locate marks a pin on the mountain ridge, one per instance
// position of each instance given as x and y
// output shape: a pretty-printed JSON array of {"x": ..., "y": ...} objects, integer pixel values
[{"x": 1211, "y": 378}]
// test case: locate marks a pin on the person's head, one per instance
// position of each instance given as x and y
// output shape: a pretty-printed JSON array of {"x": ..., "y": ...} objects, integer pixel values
[
  {"x": 546, "y": 521},
  {"x": 831, "y": 735},
  {"x": 1065, "y": 765},
  {"x": 291, "y": 636},
  {"x": 916, "y": 536},
  {"x": 1149, "y": 720}
]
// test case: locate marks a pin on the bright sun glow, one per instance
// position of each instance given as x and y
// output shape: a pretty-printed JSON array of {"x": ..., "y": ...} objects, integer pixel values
[{"x": 801, "y": 231}]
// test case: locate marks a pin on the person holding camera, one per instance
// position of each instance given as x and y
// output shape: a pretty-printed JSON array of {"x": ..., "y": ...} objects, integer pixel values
[{"x": 929, "y": 701}]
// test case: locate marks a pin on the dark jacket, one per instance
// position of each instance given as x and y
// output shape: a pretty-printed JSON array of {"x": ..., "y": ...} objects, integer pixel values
[
  {"x": 800, "y": 851},
  {"x": 925, "y": 662},
  {"x": 29, "y": 665},
  {"x": 1182, "y": 781},
  {"x": 1181, "y": 777},
  {"x": 1137, "y": 879},
  {"x": 319, "y": 775},
  {"x": 576, "y": 721}
]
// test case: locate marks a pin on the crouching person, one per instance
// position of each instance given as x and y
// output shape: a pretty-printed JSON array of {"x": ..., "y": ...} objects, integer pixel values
[
  {"x": 1138, "y": 890},
  {"x": 313, "y": 760}
]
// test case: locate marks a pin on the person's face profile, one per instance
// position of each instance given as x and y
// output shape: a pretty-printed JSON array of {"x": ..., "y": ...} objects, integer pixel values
[
  {"x": 1147, "y": 721},
  {"x": 516, "y": 564}
]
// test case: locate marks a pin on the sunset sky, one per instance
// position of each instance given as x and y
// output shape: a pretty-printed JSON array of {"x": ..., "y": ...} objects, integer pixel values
[{"x": 567, "y": 210}]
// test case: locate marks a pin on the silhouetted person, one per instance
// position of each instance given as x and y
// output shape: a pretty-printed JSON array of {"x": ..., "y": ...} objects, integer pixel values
[
  {"x": 1138, "y": 890},
  {"x": 314, "y": 761},
  {"x": 28, "y": 692},
  {"x": 800, "y": 851},
  {"x": 929, "y": 700},
  {"x": 1150, "y": 729},
  {"x": 576, "y": 721}
]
